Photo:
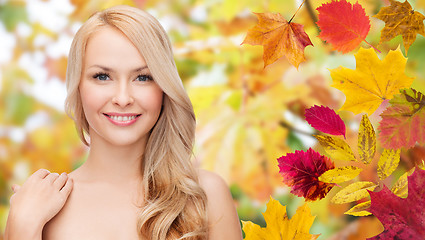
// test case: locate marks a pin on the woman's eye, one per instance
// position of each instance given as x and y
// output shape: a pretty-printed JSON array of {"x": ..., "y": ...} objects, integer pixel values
[
  {"x": 101, "y": 76},
  {"x": 143, "y": 78}
]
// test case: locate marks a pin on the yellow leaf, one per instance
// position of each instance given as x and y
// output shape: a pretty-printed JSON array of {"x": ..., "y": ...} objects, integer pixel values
[
  {"x": 279, "y": 226},
  {"x": 359, "y": 209},
  {"x": 336, "y": 148},
  {"x": 388, "y": 162},
  {"x": 353, "y": 192},
  {"x": 372, "y": 82},
  {"x": 341, "y": 174},
  {"x": 400, "y": 187},
  {"x": 366, "y": 140}
]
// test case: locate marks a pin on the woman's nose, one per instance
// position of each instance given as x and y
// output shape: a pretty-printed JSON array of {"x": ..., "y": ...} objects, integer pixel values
[{"x": 123, "y": 96}]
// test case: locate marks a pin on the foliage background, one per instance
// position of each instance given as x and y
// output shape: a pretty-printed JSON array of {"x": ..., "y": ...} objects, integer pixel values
[{"x": 247, "y": 116}]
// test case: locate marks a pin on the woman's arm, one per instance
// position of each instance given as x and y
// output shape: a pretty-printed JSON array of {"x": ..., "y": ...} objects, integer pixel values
[
  {"x": 222, "y": 216},
  {"x": 39, "y": 199}
]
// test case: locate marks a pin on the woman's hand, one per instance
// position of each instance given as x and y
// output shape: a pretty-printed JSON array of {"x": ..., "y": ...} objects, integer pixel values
[{"x": 39, "y": 199}]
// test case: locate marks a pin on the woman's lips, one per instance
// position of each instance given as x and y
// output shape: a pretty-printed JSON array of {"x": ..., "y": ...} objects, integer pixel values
[{"x": 122, "y": 119}]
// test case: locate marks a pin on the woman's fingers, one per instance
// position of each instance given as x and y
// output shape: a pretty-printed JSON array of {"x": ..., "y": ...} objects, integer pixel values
[
  {"x": 66, "y": 190},
  {"x": 15, "y": 188},
  {"x": 40, "y": 173},
  {"x": 51, "y": 177},
  {"x": 60, "y": 181}
]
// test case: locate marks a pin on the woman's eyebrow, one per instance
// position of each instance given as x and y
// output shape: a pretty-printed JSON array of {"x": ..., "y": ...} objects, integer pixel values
[{"x": 111, "y": 70}]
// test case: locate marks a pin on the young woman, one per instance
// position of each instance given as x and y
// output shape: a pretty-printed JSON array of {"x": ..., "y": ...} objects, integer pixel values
[{"x": 130, "y": 108}]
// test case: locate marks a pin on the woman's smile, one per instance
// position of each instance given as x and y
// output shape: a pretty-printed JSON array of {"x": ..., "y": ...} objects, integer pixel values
[{"x": 122, "y": 119}]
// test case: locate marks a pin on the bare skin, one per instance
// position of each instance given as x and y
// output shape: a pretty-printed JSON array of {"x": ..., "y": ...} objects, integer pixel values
[
  {"x": 101, "y": 199},
  {"x": 102, "y": 210}
]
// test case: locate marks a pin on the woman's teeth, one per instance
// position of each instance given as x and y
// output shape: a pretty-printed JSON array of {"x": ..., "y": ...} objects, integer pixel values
[{"x": 122, "y": 119}]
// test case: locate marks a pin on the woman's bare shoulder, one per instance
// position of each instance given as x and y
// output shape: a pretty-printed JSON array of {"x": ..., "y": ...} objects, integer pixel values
[
  {"x": 223, "y": 219},
  {"x": 211, "y": 181}
]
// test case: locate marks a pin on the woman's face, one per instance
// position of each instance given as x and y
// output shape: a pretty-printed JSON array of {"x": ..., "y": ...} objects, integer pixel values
[{"x": 121, "y": 101}]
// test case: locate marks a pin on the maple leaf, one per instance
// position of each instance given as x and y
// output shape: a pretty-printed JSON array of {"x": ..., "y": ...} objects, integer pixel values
[
  {"x": 372, "y": 82},
  {"x": 343, "y": 25},
  {"x": 301, "y": 170},
  {"x": 403, "y": 121},
  {"x": 279, "y": 226},
  {"x": 278, "y": 38},
  {"x": 325, "y": 120},
  {"x": 400, "y": 18},
  {"x": 403, "y": 218}
]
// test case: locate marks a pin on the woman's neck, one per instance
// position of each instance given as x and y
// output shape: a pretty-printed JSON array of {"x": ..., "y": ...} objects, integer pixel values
[{"x": 113, "y": 164}]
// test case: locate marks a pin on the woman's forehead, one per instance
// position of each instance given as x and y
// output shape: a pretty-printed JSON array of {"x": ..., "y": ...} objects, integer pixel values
[{"x": 109, "y": 47}]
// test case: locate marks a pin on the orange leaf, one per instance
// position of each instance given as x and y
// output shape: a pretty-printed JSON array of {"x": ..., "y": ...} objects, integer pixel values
[
  {"x": 56, "y": 67},
  {"x": 399, "y": 19},
  {"x": 278, "y": 38}
]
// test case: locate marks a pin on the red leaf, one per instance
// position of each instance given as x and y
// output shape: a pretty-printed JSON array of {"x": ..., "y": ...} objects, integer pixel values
[
  {"x": 325, "y": 120},
  {"x": 343, "y": 25},
  {"x": 403, "y": 218},
  {"x": 403, "y": 122},
  {"x": 301, "y": 170}
]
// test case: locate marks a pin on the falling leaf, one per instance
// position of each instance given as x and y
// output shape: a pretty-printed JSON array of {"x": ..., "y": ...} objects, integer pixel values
[
  {"x": 400, "y": 18},
  {"x": 372, "y": 82},
  {"x": 400, "y": 187},
  {"x": 300, "y": 171},
  {"x": 402, "y": 122},
  {"x": 56, "y": 67},
  {"x": 366, "y": 140},
  {"x": 353, "y": 192},
  {"x": 336, "y": 147},
  {"x": 388, "y": 162},
  {"x": 341, "y": 174},
  {"x": 403, "y": 218},
  {"x": 278, "y": 38},
  {"x": 325, "y": 120},
  {"x": 279, "y": 226},
  {"x": 360, "y": 209},
  {"x": 343, "y": 25}
]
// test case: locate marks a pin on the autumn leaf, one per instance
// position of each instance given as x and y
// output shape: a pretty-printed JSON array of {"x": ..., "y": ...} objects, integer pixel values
[
  {"x": 388, "y": 162},
  {"x": 366, "y": 140},
  {"x": 278, "y": 38},
  {"x": 353, "y": 192},
  {"x": 403, "y": 218},
  {"x": 56, "y": 68},
  {"x": 336, "y": 148},
  {"x": 343, "y": 25},
  {"x": 372, "y": 82},
  {"x": 400, "y": 187},
  {"x": 341, "y": 174},
  {"x": 279, "y": 226},
  {"x": 400, "y": 18},
  {"x": 300, "y": 171},
  {"x": 325, "y": 120},
  {"x": 403, "y": 122},
  {"x": 360, "y": 209}
]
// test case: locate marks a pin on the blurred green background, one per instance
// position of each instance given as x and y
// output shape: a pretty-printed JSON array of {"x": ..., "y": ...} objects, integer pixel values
[{"x": 247, "y": 116}]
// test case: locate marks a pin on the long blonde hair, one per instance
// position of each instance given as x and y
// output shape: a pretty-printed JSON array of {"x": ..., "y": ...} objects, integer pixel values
[{"x": 175, "y": 206}]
